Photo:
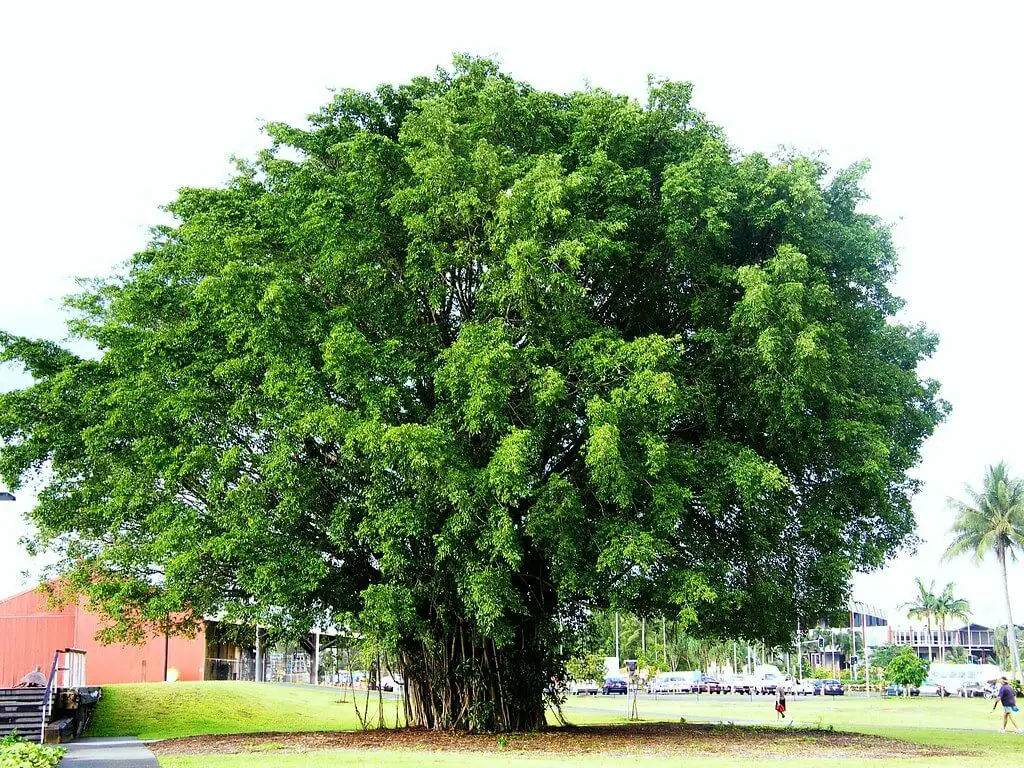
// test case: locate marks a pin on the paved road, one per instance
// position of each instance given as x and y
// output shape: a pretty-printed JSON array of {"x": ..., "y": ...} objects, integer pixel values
[{"x": 121, "y": 752}]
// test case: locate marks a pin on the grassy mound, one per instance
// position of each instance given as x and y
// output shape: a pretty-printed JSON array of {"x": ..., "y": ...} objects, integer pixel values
[{"x": 172, "y": 710}]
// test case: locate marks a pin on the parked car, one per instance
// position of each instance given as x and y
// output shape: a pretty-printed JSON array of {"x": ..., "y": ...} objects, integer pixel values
[
  {"x": 671, "y": 682},
  {"x": 740, "y": 684},
  {"x": 799, "y": 688},
  {"x": 897, "y": 690},
  {"x": 709, "y": 684},
  {"x": 832, "y": 688},
  {"x": 386, "y": 683},
  {"x": 767, "y": 678},
  {"x": 767, "y": 685},
  {"x": 584, "y": 687},
  {"x": 931, "y": 688},
  {"x": 613, "y": 685},
  {"x": 971, "y": 689}
]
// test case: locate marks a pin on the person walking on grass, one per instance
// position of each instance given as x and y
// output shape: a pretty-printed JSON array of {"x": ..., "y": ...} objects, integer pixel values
[
  {"x": 1008, "y": 699},
  {"x": 780, "y": 703}
]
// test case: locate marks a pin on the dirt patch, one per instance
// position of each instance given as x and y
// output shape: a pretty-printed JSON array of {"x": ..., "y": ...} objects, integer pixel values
[{"x": 655, "y": 739}]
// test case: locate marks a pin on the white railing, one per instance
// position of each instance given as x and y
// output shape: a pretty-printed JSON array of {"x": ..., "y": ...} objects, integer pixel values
[
  {"x": 976, "y": 639},
  {"x": 73, "y": 671}
]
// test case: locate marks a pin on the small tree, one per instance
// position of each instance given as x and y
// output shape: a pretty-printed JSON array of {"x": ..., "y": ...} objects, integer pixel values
[
  {"x": 586, "y": 666},
  {"x": 907, "y": 669},
  {"x": 883, "y": 654}
]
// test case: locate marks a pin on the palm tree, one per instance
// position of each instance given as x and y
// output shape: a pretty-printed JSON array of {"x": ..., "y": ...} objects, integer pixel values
[
  {"x": 922, "y": 608},
  {"x": 948, "y": 606},
  {"x": 992, "y": 521},
  {"x": 957, "y": 655}
]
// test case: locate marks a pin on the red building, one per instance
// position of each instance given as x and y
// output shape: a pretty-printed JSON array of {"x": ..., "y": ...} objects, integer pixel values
[{"x": 30, "y": 632}]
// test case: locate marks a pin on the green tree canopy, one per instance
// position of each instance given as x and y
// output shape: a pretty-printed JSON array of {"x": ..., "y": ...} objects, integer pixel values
[
  {"x": 586, "y": 666},
  {"x": 883, "y": 654},
  {"x": 460, "y": 361}
]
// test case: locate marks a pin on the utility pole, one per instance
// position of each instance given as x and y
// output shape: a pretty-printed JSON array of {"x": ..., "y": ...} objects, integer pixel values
[
  {"x": 258, "y": 674},
  {"x": 835, "y": 671},
  {"x": 316, "y": 656},
  {"x": 853, "y": 639},
  {"x": 867, "y": 666}
]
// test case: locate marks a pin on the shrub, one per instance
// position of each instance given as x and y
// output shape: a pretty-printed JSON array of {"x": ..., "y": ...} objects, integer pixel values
[
  {"x": 15, "y": 753},
  {"x": 906, "y": 669}
]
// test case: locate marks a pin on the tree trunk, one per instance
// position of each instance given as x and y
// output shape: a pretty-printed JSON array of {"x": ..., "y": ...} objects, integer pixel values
[
  {"x": 464, "y": 682},
  {"x": 1011, "y": 631},
  {"x": 942, "y": 639},
  {"x": 928, "y": 622}
]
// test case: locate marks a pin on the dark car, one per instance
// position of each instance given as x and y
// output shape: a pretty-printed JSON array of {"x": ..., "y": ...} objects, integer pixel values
[
  {"x": 832, "y": 688},
  {"x": 897, "y": 690},
  {"x": 614, "y": 685},
  {"x": 708, "y": 684}
]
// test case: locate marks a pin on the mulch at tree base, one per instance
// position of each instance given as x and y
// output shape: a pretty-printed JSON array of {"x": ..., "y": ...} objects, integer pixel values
[{"x": 654, "y": 738}]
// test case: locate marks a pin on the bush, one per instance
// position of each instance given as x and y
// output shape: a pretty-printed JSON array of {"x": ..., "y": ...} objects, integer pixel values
[
  {"x": 906, "y": 669},
  {"x": 15, "y": 753}
]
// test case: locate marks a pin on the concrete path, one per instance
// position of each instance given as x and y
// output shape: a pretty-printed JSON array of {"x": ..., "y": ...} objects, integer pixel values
[{"x": 108, "y": 752}]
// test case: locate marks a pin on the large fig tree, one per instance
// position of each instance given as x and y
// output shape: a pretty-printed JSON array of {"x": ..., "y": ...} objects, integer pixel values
[{"x": 459, "y": 362}]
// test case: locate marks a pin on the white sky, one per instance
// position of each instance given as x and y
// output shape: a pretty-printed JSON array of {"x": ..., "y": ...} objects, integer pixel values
[{"x": 108, "y": 109}]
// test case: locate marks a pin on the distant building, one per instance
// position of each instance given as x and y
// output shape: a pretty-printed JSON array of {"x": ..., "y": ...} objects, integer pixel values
[
  {"x": 868, "y": 625},
  {"x": 978, "y": 641},
  {"x": 31, "y": 631}
]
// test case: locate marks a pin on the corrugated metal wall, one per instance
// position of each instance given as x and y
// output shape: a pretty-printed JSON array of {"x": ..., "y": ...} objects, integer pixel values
[
  {"x": 107, "y": 664},
  {"x": 30, "y": 632}
]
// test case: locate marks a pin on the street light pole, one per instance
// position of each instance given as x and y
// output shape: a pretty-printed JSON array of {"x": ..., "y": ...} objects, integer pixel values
[{"x": 799, "y": 653}]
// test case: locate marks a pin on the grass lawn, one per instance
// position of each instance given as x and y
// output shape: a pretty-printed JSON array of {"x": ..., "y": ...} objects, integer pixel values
[
  {"x": 167, "y": 711},
  {"x": 170, "y": 711},
  {"x": 841, "y": 712}
]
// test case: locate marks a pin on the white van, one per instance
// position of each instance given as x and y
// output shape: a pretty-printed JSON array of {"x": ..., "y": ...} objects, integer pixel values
[
  {"x": 953, "y": 676},
  {"x": 767, "y": 678}
]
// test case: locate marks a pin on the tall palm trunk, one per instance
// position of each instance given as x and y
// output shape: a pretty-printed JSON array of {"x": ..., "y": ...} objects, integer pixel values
[
  {"x": 1011, "y": 631},
  {"x": 942, "y": 639},
  {"x": 928, "y": 623}
]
